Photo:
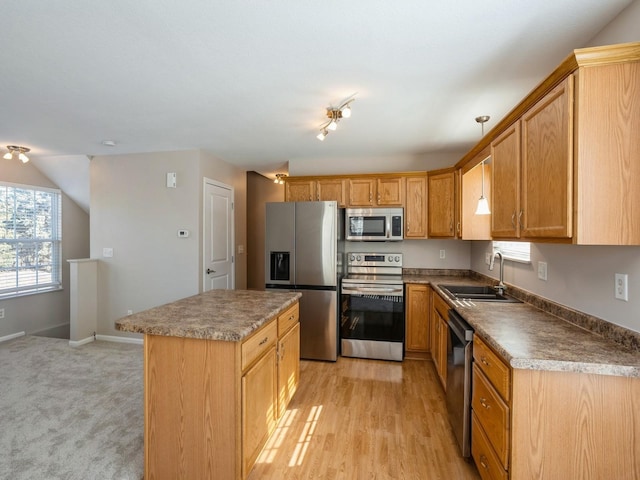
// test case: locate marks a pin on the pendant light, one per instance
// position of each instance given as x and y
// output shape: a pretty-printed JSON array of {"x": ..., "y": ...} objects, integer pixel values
[{"x": 483, "y": 204}]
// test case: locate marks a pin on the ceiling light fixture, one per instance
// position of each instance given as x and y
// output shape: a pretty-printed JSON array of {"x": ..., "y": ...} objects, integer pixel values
[
  {"x": 16, "y": 151},
  {"x": 280, "y": 178},
  {"x": 483, "y": 204},
  {"x": 335, "y": 115}
]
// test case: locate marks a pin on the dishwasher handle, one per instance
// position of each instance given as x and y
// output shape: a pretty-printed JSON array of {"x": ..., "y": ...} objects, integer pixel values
[{"x": 460, "y": 327}]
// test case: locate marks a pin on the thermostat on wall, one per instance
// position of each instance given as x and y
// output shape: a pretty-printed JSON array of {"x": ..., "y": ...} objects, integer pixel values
[{"x": 183, "y": 233}]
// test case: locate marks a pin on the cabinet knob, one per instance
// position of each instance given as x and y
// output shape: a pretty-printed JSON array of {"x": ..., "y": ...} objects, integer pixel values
[
  {"x": 483, "y": 402},
  {"x": 483, "y": 462},
  {"x": 484, "y": 361}
]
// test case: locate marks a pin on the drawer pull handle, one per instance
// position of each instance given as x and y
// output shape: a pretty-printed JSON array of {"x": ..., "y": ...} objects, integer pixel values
[
  {"x": 265, "y": 340},
  {"x": 484, "y": 361},
  {"x": 292, "y": 317},
  {"x": 483, "y": 462},
  {"x": 483, "y": 402}
]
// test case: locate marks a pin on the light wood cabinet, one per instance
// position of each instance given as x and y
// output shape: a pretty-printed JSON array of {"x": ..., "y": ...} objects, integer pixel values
[
  {"x": 490, "y": 405},
  {"x": 211, "y": 405},
  {"x": 332, "y": 189},
  {"x": 532, "y": 171},
  {"x": 439, "y": 316},
  {"x": 259, "y": 407},
  {"x": 505, "y": 183},
  {"x": 415, "y": 209},
  {"x": 418, "y": 303},
  {"x": 442, "y": 204},
  {"x": 376, "y": 192},
  {"x": 476, "y": 227},
  {"x": 298, "y": 190},
  {"x": 288, "y": 366}
]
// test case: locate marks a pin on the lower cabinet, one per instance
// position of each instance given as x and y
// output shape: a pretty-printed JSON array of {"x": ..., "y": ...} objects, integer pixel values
[
  {"x": 259, "y": 413},
  {"x": 417, "y": 320},
  {"x": 211, "y": 405},
  {"x": 491, "y": 412},
  {"x": 440, "y": 336}
]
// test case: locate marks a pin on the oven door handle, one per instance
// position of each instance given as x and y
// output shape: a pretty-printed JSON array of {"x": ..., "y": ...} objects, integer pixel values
[{"x": 371, "y": 289}]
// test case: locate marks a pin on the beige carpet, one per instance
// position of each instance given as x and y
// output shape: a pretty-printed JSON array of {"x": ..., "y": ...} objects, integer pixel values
[{"x": 70, "y": 413}]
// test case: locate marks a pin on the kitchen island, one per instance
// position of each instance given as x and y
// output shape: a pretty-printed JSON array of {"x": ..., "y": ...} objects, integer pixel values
[{"x": 219, "y": 369}]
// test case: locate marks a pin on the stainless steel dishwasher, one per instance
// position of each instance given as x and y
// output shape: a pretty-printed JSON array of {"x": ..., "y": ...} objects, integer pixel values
[{"x": 459, "y": 357}]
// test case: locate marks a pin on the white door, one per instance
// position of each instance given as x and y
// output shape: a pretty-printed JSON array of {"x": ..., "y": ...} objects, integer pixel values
[{"x": 218, "y": 268}]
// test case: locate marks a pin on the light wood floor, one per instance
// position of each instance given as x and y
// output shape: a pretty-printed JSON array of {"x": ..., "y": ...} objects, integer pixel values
[{"x": 364, "y": 419}]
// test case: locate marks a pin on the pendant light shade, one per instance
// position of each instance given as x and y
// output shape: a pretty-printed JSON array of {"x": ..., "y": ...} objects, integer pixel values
[{"x": 483, "y": 204}]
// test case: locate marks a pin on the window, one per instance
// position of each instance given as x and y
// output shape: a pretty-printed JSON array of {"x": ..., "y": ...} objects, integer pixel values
[
  {"x": 30, "y": 240},
  {"x": 517, "y": 251}
]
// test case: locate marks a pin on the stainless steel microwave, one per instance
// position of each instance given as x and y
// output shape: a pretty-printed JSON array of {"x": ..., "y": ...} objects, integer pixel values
[{"x": 374, "y": 224}]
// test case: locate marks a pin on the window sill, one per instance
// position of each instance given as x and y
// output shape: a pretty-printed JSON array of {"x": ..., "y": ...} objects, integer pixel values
[{"x": 25, "y": 293}]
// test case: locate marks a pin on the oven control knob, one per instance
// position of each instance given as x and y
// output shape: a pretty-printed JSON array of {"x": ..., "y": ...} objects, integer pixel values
[
  {"x": 352, "y": 258},
  {"x": 397, "y": 259},
  {"x": 358, "y": 258},
  {"x": 390, "y": 259}
]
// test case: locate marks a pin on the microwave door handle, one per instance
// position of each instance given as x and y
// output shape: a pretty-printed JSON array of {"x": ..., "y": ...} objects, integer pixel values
[{"x": 388, "y": 225}]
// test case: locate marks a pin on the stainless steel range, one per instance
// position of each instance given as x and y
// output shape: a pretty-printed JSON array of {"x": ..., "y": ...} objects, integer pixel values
[{"x": 372, "y": 307}]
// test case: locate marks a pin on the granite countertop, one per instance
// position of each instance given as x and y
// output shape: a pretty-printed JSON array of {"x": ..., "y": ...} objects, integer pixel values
[
  {"x": 228, "y": 315},
  {"x": 529, "y": 338}
]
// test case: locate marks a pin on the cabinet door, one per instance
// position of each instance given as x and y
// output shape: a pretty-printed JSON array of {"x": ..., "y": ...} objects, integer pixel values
[
  {"x": 418, "y": 307},
  {"x": 332, "y": 189},
  {"x": 361, "y": 192},
  {"x": 259, "y": 407},
  {"x": 433, "y": 330},
  {"x": 443, "y": 338},
  {"x": 505, "y": 183},
  {"x": 442, "y": 205},
  {"x": 547, "y": 165},
  {"x": 288, "y": 367},
  {"x": 390, "y": 192},
  {"x": 300, "y": 190},
  {"x": 415, "y": 211}
]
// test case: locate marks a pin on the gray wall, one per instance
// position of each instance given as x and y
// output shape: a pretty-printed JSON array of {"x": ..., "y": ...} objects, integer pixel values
[
  {"x": 260, "y": 190},
  {"x": 46, "y": 313},
  {"x": 133, "y": 212}
]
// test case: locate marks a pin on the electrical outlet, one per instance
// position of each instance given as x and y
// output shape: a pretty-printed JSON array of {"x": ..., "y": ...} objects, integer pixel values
[
  {"x": 487, "y": 258},
  {"x": 622, "y": 287},
  {"x": 442, "y": 254},
  {"x": 107, "y": 252},
  {"x": 542, "y": 271},
  {"x": 129, "y": 312},
  {"x": 1, "y": 312}
]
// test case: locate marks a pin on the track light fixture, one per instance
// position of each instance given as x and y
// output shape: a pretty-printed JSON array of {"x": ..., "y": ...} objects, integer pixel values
[
  {"x": 16, "y": 151},
  {"x": 279, "y": 178},
  {"x": 335, "y": 114}
]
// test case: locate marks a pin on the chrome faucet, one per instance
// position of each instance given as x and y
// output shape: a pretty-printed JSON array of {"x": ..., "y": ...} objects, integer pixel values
[{"x": 501, "y": 287}]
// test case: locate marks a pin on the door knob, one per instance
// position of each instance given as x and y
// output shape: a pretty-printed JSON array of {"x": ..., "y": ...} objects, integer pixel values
[{"x": 210, "y": 271}]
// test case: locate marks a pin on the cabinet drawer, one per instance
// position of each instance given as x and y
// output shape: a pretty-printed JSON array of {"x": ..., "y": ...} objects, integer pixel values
[
  {"x": 493, "y": 367},
  {"x": 288, "y": 319},
  {"x": 258, "y": 343},
  {"x": 441, "y": 306},
  {"x": 485, "y": 458},
  {"x": 492, "y": 413}
]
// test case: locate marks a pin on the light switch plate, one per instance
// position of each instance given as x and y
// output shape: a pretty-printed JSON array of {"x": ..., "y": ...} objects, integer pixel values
[
  {"x": 442, "y": 253},
  {"x": 107, "y": 252}
]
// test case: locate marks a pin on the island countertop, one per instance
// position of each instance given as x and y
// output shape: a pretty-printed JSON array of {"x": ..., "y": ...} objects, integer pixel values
[{"x": 229, "y": 315}]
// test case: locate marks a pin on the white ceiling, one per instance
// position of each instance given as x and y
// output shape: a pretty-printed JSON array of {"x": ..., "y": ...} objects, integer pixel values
[{"x": 249, "y": 80}]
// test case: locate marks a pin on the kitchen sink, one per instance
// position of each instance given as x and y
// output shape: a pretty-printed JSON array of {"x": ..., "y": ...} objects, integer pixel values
[{"x": 477, "y": 293}]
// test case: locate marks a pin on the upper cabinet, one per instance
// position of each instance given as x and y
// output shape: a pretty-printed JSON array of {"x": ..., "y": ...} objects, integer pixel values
[
  {"x": 415, "y": 208},
  {"x": 476, "y": 182},
  {"x": 566, "y": 160},
  {"x": 442, "y": 203},
  {"x": 376, "y": 192},
  {"x": 308, "y": 190}
]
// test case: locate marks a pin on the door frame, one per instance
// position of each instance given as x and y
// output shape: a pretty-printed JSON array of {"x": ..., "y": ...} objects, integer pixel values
[{"x": 216, "y": 183}]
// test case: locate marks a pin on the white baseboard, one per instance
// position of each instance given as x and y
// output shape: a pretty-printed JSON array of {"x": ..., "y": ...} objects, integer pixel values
[
  {"x": 114, "y": 338},
  {"x": 12, "y": 336},
  {"x": 84, "y": 341}
]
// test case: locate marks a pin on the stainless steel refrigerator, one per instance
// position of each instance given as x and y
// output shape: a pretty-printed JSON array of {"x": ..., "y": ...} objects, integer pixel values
[{"x": 303, "y": 252}]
